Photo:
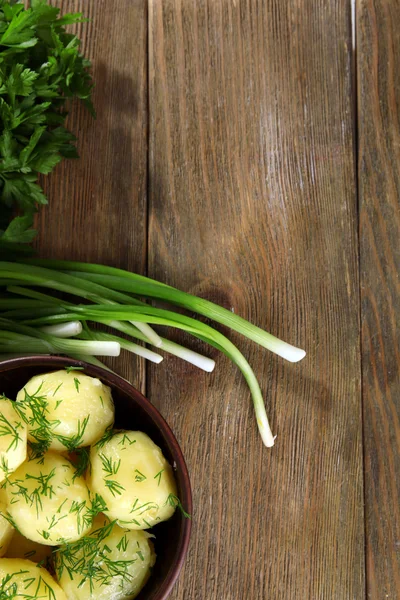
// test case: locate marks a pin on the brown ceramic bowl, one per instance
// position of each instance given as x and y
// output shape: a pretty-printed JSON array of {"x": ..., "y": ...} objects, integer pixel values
[{"x": 132, "y": 411}]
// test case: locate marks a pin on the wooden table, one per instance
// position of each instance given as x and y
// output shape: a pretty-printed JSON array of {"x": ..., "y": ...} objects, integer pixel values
[{"x": 242, "y": 153}]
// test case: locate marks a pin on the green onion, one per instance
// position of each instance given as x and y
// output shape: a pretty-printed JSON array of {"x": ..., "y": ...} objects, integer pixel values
[
  {"x": 40, "y": 322},
  {"x": 75, "y": 286},
  {"x": 125, "y": 344},
  {"x": 14, "y": 336},
  {"x": 117, "y": 279},
  {"x": 190, "y": 356},
  {"x": 64, "y": 330}
]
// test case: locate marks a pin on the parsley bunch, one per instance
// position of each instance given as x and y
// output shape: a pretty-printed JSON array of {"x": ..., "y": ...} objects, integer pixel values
[{"x": 40, "y": 69}]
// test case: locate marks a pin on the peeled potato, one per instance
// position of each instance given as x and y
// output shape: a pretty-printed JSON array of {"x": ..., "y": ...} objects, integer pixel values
[
  {"x": 13, "y": 438},
  {"x": 136, "y": 482},
  {"x": 20, "y": 579},
  {"x": 6, "y": 529},
  {"x": 48, "y": 503},
  {"x": 21, "y": 547},
  {"x": 113, "y": 563},
  {"x": 77, "y": 408}
]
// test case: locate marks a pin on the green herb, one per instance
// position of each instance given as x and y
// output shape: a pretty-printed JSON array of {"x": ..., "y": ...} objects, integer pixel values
[
  {"x": 140, "y": 554},
  {"x": 59, "y": 509},
  {"x": 55, "y": 520},
  {"x": 146, "y": 523},
  {"x": 109, "y": 466},
  {"x": 89, "y": 559},
  {"x": 143, "y": 508},
  {"x": 139, "y": 477},
  {"x": 98, "y": 505},
  {"x": 83, "y": 461},
  {"x": 55, "y": 392},
  {"x": 107, "y": 436},
  {"x": 40, "y": 69},
  {"x": 123, "y": 544},
  {"x": 34, "y": 410},
  {"x": 45, "y": 488},
  {"x": 5, "y": 468},
  {"x": 83, "y": 513},
  {"x": 77, "y": 384},
  {"x": 174, "y": 501},
  {"x": 158, "y": 476},
  {"x": 72, "y": 442},
  {"x": 126, "y": 439},
  {"x": 10, "y": 430},
  {"x": 70, "y": 369},
  {"x": 115, "y": 487}
]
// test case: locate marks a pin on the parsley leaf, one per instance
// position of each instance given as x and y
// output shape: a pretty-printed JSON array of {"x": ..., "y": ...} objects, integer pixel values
[{"x": 41, "y": 68}]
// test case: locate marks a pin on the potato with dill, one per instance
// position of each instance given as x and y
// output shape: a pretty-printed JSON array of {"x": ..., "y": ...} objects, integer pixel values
[
  {"x": 6, "y": 529},
  {"x": 109, "y": 563},
  {"x": 48, "y": 502},
  {"x": 13, "y": 438},
  {"x": 65, "y": 410},
  {"x": 21, "y": 578},
  {"x": 129, "y": 471}
]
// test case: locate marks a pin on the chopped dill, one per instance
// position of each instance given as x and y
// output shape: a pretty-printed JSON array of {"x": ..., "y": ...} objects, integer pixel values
[
  {"x": 109, "y": 466},
  {"x": 89, "y": 559},
  {"x": 107, "y": 436},
  {"x": 115, "y": 487},
  {"x": 8, "y": 429},
  {"x": 139, "y": 477},
  {"x": 174, "y": 501},
  {"x": 56, "y": 390},
  {"x": 123, "y": 544},
  {"x": 126, "y": 439},
  {"x": 158, "y": 476},
  {"x": 82, "y": 461},
  {"x": 70, "y": 369}
]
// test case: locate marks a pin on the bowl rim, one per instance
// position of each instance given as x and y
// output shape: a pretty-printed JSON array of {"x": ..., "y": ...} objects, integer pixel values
[{"x": 113, "y": 379}]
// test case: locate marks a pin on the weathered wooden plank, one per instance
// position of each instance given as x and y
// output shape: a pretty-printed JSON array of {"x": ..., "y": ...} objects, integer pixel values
[
  {"x": 252, "y": 203},
  {"x": 97, "y": 205},
  {"x": 379, "y": 191}
]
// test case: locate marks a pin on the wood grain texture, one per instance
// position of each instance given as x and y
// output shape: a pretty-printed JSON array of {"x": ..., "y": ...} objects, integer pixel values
[
  {"x": 379, "y": 192},
  {"x": 97, "y": 205},
  {"x": 252, "y": 203}
]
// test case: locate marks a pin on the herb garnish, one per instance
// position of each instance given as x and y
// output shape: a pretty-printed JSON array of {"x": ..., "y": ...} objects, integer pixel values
[
  {"x": 40, "y": 68},
  {"x": 8, "y": 429},
  {"x": 89, "y": 559},
  {"x": 70, "y": 369},
  {"x": 174, "y": 501},
  {"x": 115, "y": 487},
  {"x": 158, "y": 476},
  {"x": 139, "y": 477}
]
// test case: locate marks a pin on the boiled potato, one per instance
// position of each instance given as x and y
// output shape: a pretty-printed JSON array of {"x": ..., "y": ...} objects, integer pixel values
[
  {"x": 48, "y": 503},
  {"x": 13, "y": 437},
  {"x": 111, "y": 563},
  {"x": 75, "y": 409},
  {"x": 21, "y": 547},
  {"x": 6, "y": 529},
  {"x": 21, "y": 579},
  {"x": 134, "y": 479}
]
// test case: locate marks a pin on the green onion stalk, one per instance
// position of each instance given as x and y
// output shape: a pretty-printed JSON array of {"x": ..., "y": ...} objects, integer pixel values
[{"x": 46, "y": 323}]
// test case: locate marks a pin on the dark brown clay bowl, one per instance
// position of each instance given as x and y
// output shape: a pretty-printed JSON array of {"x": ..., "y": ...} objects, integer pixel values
[{"x": 132, "y": 411}]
